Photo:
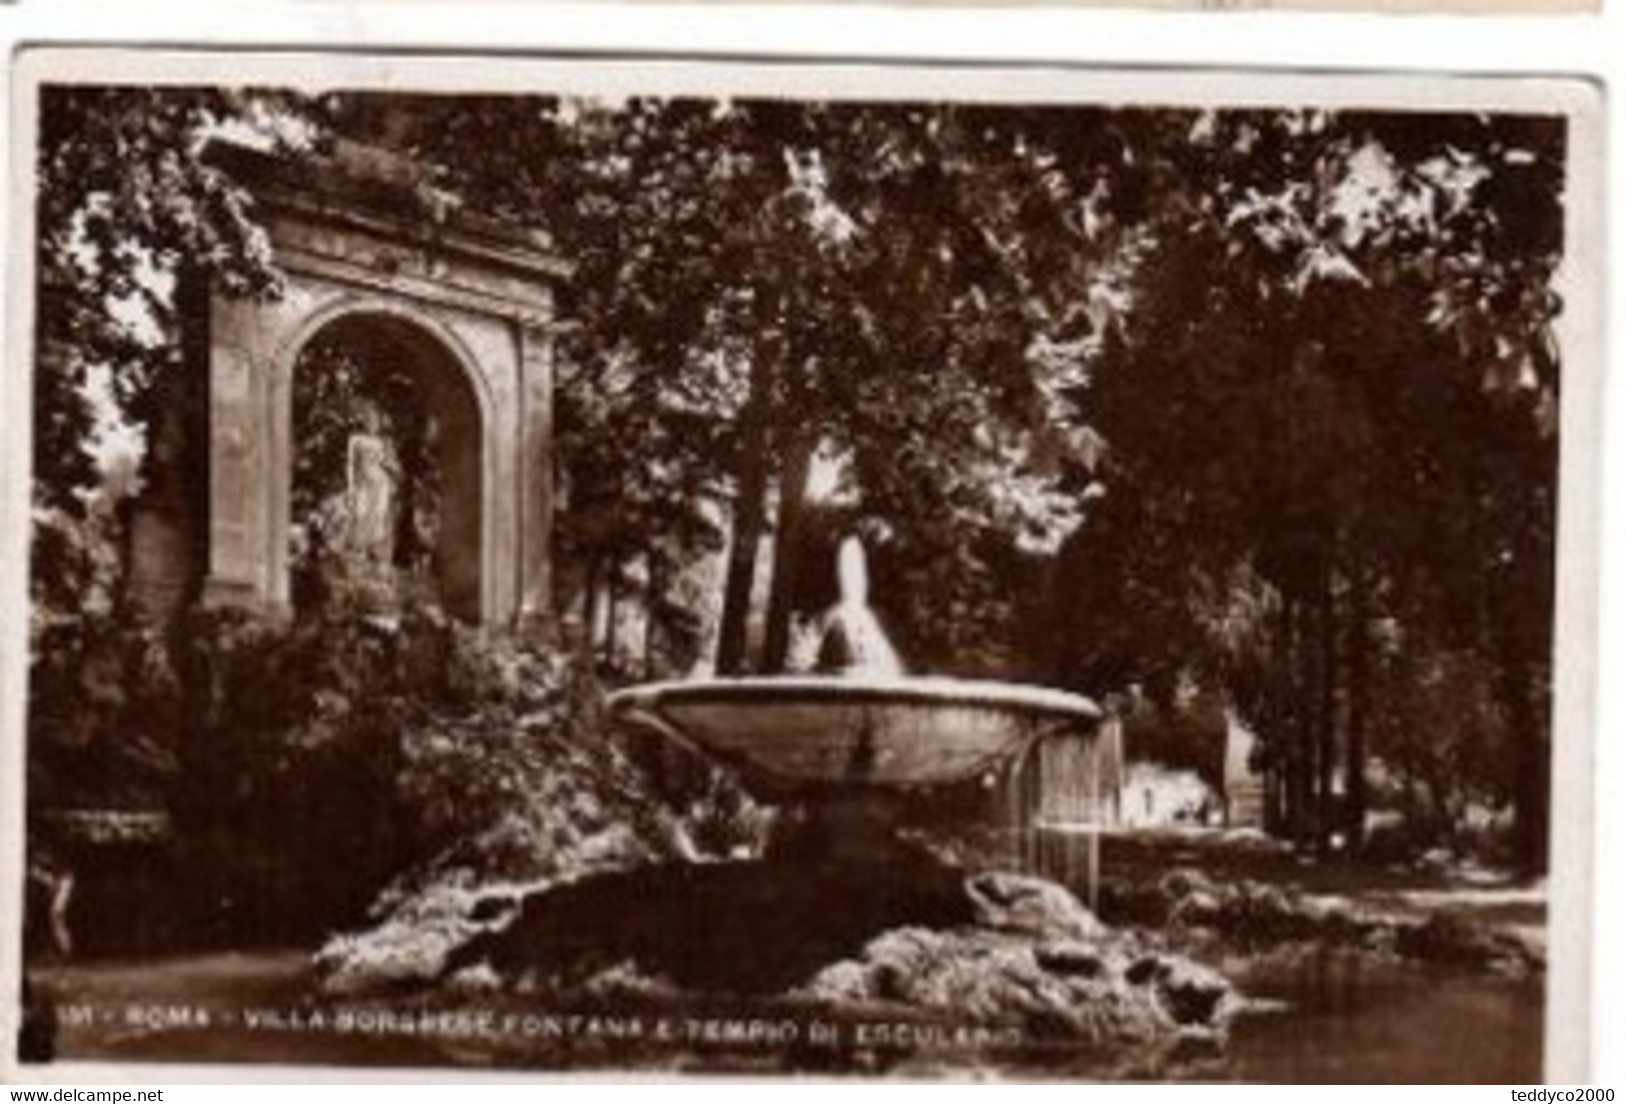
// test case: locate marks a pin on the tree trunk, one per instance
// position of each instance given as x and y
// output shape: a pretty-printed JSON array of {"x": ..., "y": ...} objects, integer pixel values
[
  {"x": 1326, "y": 710},
  {"x": 654, "y": 599},
  {"x": 1531, "y": 764},
  {"x": 1296, "y": 727},
  {"x": 1359, "y": 669},
  {"x": 1276, "y": 697},
  {"x": 1308, "y": 719},
  {"x": 590, "y": 599},
  {"x": 749, "y": 517},
  {"x": 1274, "y": 800},
  {"x": 612, "y": 613},
  {"x": 788, "y": 554}
]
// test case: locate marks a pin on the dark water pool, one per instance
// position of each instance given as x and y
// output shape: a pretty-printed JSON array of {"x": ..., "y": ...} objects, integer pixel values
[
  {"x": 1340, "y": 1017},
  {"x": 1349, "y": 1017}
]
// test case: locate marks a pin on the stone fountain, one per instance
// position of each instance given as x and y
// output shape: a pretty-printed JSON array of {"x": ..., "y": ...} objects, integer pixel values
[
  {"x": 845, "y": 742},
  {"x": 843, "y": 920}
]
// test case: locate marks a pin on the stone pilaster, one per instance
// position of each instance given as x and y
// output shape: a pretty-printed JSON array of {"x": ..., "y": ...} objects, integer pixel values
[
  {"x": 237, "y": 568},
  {"x": 535, "y": 614}
]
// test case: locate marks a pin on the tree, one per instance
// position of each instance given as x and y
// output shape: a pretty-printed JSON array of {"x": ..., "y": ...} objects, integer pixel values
[
  {"x": 760, "y": 280},
  {"x": 131, "y": 221},
  {"x": 1335, "y": 378},
  {"x": 126, "y": 206}
]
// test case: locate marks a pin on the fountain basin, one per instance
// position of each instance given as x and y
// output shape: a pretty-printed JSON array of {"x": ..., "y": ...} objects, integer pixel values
[{"x": 790, "y": 735}]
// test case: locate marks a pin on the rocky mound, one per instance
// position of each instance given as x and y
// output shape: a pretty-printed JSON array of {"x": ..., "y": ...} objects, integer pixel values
[
  {"x": 1188, "y": 906},
  {"x": 1035, "y": 963},
  {"x": 923, "y": 964}
]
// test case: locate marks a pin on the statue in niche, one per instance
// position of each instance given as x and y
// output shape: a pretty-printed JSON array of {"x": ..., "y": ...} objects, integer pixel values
[{"x": 372, "y": 485}]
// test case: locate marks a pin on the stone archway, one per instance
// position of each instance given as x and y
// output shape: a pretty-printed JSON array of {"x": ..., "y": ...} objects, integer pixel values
[{"x": 470, "y": 300}]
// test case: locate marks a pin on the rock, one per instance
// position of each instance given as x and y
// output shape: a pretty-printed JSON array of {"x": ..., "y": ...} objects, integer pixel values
[
  {"x": 624, "y": 980},
  {"x": 1020, "y": 904},
  {"x": 1447, "y": 938},
  {"x": 1186, "y": 881},
  {"x": 1250, "y": 915},
  {"x": 1190, "y": 993},
  {"x": 415, "y": 943},
  {"x": 1070, "y": 959},
  {"x": 991, "y": 961},
  {"x": 479, "y": 979},
  {"x": 494, "y": 907},
  {"x": 754, "y": 926},
  {"x": 1087, "y": 993},
  {"x": 1143, "y": 971},
  {"x": 482, "y": 887},
  {"x": 1198, "y": 909}
]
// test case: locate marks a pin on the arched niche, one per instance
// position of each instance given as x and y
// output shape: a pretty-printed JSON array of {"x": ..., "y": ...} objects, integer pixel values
[{"x": 450, "y": 390}]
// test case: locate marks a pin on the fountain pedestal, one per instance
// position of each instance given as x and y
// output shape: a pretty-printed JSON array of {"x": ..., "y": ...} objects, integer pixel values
[{"x": 853, "y": 827}]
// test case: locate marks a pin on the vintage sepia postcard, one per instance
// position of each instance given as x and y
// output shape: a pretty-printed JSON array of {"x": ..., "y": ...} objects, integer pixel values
[{"x": 594, "y": 566}]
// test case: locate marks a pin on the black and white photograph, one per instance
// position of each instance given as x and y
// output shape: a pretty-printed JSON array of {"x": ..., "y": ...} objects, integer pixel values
[{"x": 616, "y": 568}]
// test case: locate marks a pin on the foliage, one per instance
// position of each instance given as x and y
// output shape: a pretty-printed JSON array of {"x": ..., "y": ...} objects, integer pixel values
[
  {"x": 127, "y": 208},
  {"x": 1257, "y": 400},
  {"x": 103, "y": 707},
  {"x": 306, "y": 764},
  {"x": 341, "y": 750},
  {"x": 1445, "y": 733},
  {"x": 1331, "y": 398},
  {"x": 903, "y": 285},
  {"x": 103, "y": 699}
]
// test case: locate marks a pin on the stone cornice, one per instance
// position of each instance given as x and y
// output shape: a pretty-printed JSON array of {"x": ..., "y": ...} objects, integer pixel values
[{"x": 322, "y": 191}]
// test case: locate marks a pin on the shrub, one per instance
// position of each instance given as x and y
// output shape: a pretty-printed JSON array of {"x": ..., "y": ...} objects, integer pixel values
[
  {"x": 327, "y": 756},
  {"x": 308, "y": 763}
]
